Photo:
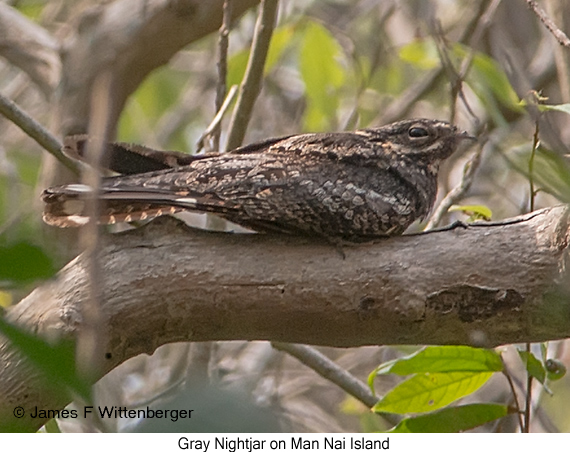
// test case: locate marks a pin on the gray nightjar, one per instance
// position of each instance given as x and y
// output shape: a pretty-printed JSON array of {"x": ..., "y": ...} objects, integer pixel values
[{"x": 353, "y": 186}]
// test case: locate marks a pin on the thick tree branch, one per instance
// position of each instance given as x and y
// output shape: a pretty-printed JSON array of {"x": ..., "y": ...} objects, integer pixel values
[
  {"x": 487, "y": 284},
  {"x": 30, "y": 47},
  {"x": 130, "y": 38}
]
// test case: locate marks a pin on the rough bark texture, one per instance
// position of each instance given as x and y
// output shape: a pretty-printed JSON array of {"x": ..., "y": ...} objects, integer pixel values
[{"x": 487, "y": 284}]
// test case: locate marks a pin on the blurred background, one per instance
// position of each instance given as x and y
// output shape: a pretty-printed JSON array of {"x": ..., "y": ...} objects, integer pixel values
[{"x": 489, "y": 66}]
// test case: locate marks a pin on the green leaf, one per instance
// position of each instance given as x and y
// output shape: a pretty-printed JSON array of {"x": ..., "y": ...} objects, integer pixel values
[
  {"x": 52, "y": 427},
  {"x": 453, "y": 419},
  {"x": 490, "y": 83},
  {"x": 322, "y": 74},
  {"x": 533, "y": 366},
  {"x": 23, "y": 262},
  {"x": 475, "y": 212},
  {"x": 55, "y": 361},
  {"x": 155, "y": 96},
  {"x": 458, "y": 358},
  {"x": 280, "y": 41},
  {"x": 551, "y": 172},
  {"x": 31, "y": 9},
  {"x": 422, "y": 54},
  {"x": 493, "y": 78},
  {"x": 565, "y": 108},
  {"x": 428, "y": 392},
  {"x": 236, "y": 67}
]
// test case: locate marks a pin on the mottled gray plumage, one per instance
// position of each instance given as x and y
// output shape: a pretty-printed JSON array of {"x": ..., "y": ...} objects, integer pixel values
[{"x": 349, "y": 185}]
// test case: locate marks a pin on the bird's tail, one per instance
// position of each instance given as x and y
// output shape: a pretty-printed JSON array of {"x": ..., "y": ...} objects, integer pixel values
[{"x": 66, "y": 206}]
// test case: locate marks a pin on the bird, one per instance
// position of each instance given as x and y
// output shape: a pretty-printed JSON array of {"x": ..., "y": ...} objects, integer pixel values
[{"x": 351, "y": 186}]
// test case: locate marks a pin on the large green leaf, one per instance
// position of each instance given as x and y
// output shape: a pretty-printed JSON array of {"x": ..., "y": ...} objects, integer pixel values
[
  {"x": 55, "y": 361},
  {"x": 453, "y": 419},
  {"x": 459, "y": 358},
  {"x": 428, "y": 392},
  {"x": 564, "y": 108},
  {"x": 488, "y": 71},
  {"x": 551, "y": 172},
  {"x": 23, "y": 262},
  {"x": 489, "y": 82}
]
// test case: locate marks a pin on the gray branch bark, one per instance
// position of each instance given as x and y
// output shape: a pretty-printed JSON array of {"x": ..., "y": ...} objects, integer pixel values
[
  {"x": 487, "y": 284},
  {"x": 130, "y": 38},
  {"x": 30, "y": 47}
]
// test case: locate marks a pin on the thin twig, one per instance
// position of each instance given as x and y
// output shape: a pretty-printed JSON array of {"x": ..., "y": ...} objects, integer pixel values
[
  {"x": 560, "y": 55},
  {"x": 539, "y": 412},
  {"x": 222, "y": 68},
  {"x": 400, "y": 106},
  {"x": 535, "y": 145},
  {"x": 35, "y": 130},
  {"x": 406, "y": 100},
  {"x": 214, "y": 125},
  {"x": 329, "y": 370},
  {"x": 528, "y": 398},
  {"x": 457, "y": 77},
  {"x": 458, "y": 192},
  {"x": 509, "y": 378},
  {"x": 251, "y": 84},
  {"x": 91, "y": 338},
  {"x": 549, "y": 24}
]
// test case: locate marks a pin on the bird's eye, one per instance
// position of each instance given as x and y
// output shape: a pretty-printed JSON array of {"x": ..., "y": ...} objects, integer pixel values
[{"x": 418, "y": 132}]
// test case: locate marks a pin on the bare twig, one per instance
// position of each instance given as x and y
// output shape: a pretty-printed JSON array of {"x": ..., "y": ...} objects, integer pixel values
[
  {"x": 251, "y": 84},
  {"x": 560, "y": 55},
  {"x": 509, "y": 378},
  {"x": 214, "y": 125},
  {"x": 535, "y": 145},
  {"x": 539, "y": 412},
  {"x": 549, "y": 24},
  {"x": 458, "y": 192},
  {"x": 457, "y": 77},
  {"x": 328, "y": 369},
  {"x": 532, "y": 195},
  {"x": 222, "y": 68},
  {"x": 410, "y": 96},
  {"x": 528, "y": 396},
  {"x": 91, "y": 337},
  {"x": 35, "y": 130}
]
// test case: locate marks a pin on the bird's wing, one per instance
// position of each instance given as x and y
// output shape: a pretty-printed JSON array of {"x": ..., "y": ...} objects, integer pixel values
[
  {"x": 216, "y": 184},
  {"x": 127, "y": 158}
]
